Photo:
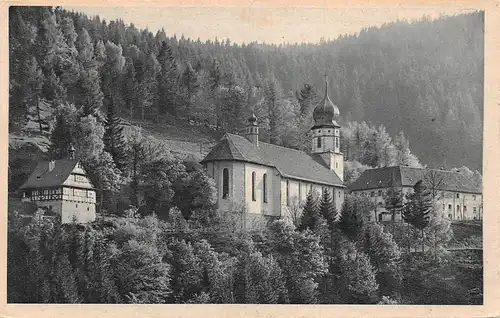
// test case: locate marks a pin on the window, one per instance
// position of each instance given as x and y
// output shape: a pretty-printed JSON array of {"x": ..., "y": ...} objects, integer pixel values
[
  {"x": 288, "y": 192},
  {"x": 379, "y": 193},
  {"x": 264, "y": 187},
  {"x": 443, "y": 206},
  {"x": 458, "y": 195},
  {"x": 328, "y": 130},
  {"x": 465, "y": 208},
  {"x": 449, "y": 206},
  {"x": 336, "y": 142},
  {"x": 225, "y": 183},
  {"x": 253, "y": 186},
  {"x": 88, "y": 209},
  {"x": 77, "y": 205},
  {"x": 319, "y": 142},
  {"x": 458, "y": 208},
  {"x": 473, "y": 197},
  {"x": 336, "y": 165},
  {"x": 372, "y": 194},
  {"x": 474, "y": 210}
]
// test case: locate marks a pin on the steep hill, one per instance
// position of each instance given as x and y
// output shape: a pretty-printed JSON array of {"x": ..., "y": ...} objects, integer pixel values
[{"x": 424, "y": 78}]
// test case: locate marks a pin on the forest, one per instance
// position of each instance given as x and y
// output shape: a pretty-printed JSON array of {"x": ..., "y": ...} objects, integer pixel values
[
  {"x": 160, "y": 239},
  {"x": 321, "y": 257},
  {"x": 421, "y": 79}
]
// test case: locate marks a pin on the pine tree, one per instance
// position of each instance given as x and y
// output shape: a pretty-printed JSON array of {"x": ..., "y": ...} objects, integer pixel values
[
  {"x": 352, "y": 217},
  {"x": 307, "y": 98},
  {"x": 61, "y": 138},
  {"x": 189, "y": 81},
  {"x": 91, "y": 96},
  {"x": 418, "y": 207},
  {"x": 130, "y": 87},
  {"x": 34, "y": 84},
  {"x": 310, "y": 217},
  {"x": 113, "y": 137},
  {"x": 327, "y": 208}
]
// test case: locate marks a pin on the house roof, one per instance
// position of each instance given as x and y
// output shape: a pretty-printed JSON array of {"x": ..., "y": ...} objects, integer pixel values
[
  {"x": 290, "y": 163},
  {"x": 399, "y": 176},
  {"x": 41, "y": 177}
]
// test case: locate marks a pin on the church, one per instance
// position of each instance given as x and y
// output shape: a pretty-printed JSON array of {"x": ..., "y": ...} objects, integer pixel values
[{"x": 264, "y": 181}]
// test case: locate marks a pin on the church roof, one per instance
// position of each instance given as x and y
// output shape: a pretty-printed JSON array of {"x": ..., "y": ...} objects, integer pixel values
[
  {"x": 41, "y": 177},
  {"x": 399, "y": 176},
  {"x": 290, "y": 163}
]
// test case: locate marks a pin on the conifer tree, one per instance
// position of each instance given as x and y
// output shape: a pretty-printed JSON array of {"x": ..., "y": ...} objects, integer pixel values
[
  {"x": 352, "y": 217},
  {"x": 418, "y": 207},
  {"x": 114, "y": 141},
  {"x": 310, "y": 217},
  {"x": 327, "y": 208},
  {"x": 61, "y": 138}
]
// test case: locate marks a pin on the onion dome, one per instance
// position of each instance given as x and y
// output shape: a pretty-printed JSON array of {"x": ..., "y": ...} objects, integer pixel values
[
  {"x": 252, "y": 120},
  {"x": 326, "y": 113}
]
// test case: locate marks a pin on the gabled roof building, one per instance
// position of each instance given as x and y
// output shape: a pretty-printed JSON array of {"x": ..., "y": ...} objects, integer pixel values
[
  {"x": 269, "y": 181},
  {"x": 63, "y": 188},
  {"x": 458, "y": 197}
]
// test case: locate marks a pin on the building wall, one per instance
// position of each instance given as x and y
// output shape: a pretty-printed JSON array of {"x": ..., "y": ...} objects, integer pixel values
[
  {"x": 79, "y": 211},
  {"x": 448, "y": 203},
  {"x": 294, "y": 194},
  {"x": 240, "y": 188},
  {"x": 272, "y": 206}
]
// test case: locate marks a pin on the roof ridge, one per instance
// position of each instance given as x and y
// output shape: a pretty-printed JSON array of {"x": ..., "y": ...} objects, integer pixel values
[{"x": 268, "y": 143}]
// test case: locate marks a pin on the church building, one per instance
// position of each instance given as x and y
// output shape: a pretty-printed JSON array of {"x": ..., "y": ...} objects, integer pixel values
[
  {"x": 63, "y": 188},
  {"x": 270, "y": 181}
]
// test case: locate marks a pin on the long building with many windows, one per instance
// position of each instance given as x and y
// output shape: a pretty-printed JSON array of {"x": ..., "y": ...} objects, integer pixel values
[{"x": 457, "y": 197}]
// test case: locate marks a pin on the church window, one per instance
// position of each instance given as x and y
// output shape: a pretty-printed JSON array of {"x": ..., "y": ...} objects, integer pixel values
[
  {"x": 449, "y": 206},
  {"x": 372, "y": 194},
  {"x": 328, "y": 131},
  {"x": 458, "y": 195},
  {"x": 319, "y": 142},
  {"x": 473, "y": 197},
  {"x": 379, "y": 193},
  {"x": 225, "y": 183},
  {"x": 337, "y": 142},
  {"x": 465, "y": 208},
  {"x": 336, "y": 165},
  {"x": 253, "y": 186},
  {"x": 287, "y": 193},
  {"x": 458, "y": 208},
  {"x": 264, "y": 187}
]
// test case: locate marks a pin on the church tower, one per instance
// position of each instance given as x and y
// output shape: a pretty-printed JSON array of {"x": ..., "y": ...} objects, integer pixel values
[
  {"x": 326, "y": 135},
  {"x": 252, "y": 130}
]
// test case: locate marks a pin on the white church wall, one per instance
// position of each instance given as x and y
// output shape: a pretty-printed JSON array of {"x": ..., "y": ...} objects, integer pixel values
[{"x": 259, "y": 206}]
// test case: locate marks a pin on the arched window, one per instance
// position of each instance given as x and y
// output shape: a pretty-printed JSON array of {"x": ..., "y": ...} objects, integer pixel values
[
  {"x": 225, "y": 183},
  {"x": 264, "y": 187},
  {"x": 253, "y": 186},
  {"x": 319, "y": 142},
  {"x": 336, "y": 142}
]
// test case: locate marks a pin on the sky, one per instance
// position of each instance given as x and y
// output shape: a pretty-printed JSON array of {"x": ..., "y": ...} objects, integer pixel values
[{"x": 261, "y": 24}]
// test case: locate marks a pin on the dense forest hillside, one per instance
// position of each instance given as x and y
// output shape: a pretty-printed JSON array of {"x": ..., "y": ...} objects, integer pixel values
[{"x": 424, "y": 79}]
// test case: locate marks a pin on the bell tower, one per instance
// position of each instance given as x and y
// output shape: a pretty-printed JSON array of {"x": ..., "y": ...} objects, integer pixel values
[{"x": 326, "y": 135}]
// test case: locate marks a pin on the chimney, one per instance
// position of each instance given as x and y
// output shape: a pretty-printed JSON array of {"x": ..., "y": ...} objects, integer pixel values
[
  {"x": 52, "y": 164},
  {"x": 71, "y": 152},
  {"x": 252, "y": 130}
]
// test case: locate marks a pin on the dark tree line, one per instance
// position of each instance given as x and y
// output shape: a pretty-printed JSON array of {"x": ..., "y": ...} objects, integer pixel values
[{"x": 406, "y": 76}]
